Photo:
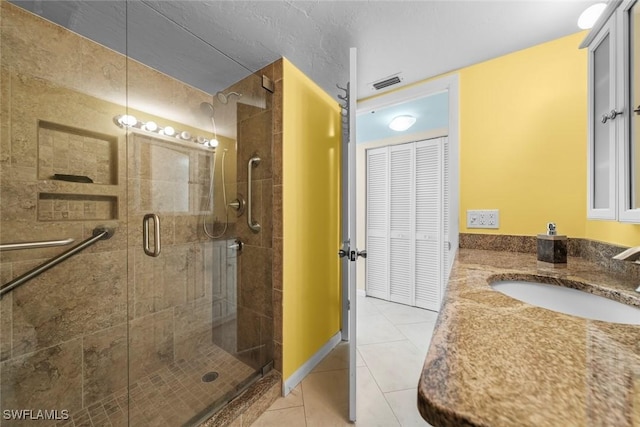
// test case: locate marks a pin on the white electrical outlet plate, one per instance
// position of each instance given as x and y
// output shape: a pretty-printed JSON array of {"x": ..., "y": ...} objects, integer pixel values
[{"x": 486, "y": 218}]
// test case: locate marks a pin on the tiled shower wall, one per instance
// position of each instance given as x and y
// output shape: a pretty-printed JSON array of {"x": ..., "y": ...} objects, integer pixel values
[
  {"x": 71, "y": 335},
  {"x": 255, "y": 262}
]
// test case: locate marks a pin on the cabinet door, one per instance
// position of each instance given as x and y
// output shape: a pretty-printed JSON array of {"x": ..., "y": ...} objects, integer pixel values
[
  {"x": 602, "y": 129},
  {"x": 631, "y": 175}
]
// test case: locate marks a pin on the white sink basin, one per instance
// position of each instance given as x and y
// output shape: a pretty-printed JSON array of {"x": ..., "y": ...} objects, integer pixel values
[{"x": 569, "y": 301}]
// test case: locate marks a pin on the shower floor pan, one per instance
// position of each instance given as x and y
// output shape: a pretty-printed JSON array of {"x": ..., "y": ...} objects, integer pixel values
[{"x": 168, "y": 397}]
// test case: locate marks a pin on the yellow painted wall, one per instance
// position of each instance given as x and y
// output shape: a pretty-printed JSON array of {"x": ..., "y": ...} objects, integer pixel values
[
  {"x": 311, "y": 218},
  {"x": 523, "y": 143},
  {"x": 523, "y": 139}
]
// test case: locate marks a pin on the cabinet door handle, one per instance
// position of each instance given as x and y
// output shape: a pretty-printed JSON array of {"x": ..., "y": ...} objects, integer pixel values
[
  {"x": 637, "y": 110},
  {"x": 611, "y": 116}
]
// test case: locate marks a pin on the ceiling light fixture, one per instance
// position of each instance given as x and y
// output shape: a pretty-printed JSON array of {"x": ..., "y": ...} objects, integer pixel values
[
  {"x": 591, "y": 14},
  {"x": 402, "y": 123}
]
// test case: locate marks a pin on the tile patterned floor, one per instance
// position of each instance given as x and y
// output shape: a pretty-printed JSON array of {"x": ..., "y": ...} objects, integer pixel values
[
  {"x": 389, "y": 336},
  {"x": 167, "y": 397}
]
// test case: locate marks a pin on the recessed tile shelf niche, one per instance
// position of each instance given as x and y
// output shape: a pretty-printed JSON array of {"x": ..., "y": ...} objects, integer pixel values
[
  {"x": 76, "y": 207},
  {"x": 66, "y": 150}
]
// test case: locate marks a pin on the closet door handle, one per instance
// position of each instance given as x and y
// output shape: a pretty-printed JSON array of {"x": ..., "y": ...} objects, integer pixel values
[
  {"x": 637, "y": 110},
  {"x": 156, "y": 235}
]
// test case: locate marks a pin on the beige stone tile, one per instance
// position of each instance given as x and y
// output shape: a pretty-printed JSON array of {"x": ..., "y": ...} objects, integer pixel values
[
  {"x": 325, "y": 397},
  {"x": 404, "y": 406},
  {"x": 192, "y": 329},
  {"x": 277, "y": 107},
  {"x": 5, "y": 116},
  {"x": 337, "y": 359},
  {"x": 384, "y": 359},
  {"x": 276, "y": 152},
  {"x": 400, "y": 314},
  {"x": 294, "y": 398},
  {"x": 371, "y": 407},
  {"x": 419, "y": 334},
  {"x": 277, "y": 356},
  {"x": 254, "y": 138},
  {"x": 188, "y": 228},
  {"x": 292, "y": 417},
  {"x": 277, "y": 211},
  {"x": 104, "y": 363},
  {"x": 266, "y": 213},
  {"x": 376, "y": 329},
  {"x": 161, "y": 282},
  {"x": 19, "y": 201},
  {"x": 87, "y": 295},
  {"x": 255, "y": 290},
  {"x": 46, "y": 377},
  {"x": 277, "y": 315},
  {"x": 247, "y": 235},
  {"x": 6, "y": 315},
  {"x": 248, "y": 329},
  {"x": 151, "y": 344}
]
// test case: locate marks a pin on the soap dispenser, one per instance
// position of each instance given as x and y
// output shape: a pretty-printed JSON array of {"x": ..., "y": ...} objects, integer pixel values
[{"x": 552, "y": 248}]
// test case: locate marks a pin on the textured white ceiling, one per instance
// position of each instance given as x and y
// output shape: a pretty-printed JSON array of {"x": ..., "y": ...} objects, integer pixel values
[{"x": 226, "y": 40}]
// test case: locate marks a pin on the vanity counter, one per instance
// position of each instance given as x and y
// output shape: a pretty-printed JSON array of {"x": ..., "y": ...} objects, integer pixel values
[{"x": 496, "y": 361}]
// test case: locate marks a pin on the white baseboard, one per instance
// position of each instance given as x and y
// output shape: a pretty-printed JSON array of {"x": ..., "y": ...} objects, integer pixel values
[{"x": 304, "y": 370}]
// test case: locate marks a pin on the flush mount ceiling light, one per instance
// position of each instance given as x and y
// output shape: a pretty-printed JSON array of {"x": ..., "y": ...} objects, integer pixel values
[
  {"x": 401, "y": 123},
  {"x": 591, "y": 14}
]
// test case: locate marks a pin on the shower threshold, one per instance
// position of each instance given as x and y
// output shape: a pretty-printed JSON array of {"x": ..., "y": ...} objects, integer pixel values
[{"x": 220, "y": 403}]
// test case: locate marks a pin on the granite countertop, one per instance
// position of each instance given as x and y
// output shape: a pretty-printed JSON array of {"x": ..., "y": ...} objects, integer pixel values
[{"x": 496, "y": 361}]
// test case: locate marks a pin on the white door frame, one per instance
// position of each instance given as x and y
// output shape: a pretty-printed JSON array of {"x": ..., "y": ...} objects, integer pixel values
[{"x": 450, "y": 84}]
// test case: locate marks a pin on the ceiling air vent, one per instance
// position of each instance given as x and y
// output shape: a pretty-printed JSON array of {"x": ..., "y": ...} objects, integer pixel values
[{"x": 386, "y": 82}]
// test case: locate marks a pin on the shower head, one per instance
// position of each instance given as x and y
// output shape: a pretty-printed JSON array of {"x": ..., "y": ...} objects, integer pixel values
[
  {"x": 207, "y": 109},
  {"x": 224, "y": 98}
]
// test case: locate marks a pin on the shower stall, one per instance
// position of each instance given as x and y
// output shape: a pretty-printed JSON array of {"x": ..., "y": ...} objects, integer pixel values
[{"x": 167, "y": 316}]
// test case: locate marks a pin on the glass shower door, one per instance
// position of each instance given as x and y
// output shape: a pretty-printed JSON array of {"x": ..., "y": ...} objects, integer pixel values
[
  {"x": 63, "y": 333},
  {"x": 190, "y": 348}
]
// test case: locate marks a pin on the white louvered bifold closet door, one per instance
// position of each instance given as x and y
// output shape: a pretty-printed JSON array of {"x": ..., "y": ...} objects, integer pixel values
[
  {"x": 377, "y": 272},
  {"x": 401, "y": 223},
  {"x": 446, "y": 227},
  {"x": 428, "y": 218},
  {"x": 407, "y": 222}
]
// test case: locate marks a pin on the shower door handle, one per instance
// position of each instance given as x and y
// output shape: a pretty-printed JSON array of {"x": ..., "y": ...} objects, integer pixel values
[
  {"x": 254, "y": 161},
  {"x": 156, "y": 235}
]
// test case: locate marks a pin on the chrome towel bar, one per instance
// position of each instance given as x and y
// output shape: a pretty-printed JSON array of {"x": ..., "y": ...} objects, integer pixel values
[
  {"x": 35, "y": 245},
  {"x": 99, "y": 233}
]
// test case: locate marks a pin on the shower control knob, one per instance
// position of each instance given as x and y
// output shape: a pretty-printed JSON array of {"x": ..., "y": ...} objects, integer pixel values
[{"x": 237, "y": 245}]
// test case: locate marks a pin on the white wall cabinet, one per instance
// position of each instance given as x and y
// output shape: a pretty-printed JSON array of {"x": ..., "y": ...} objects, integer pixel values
[
  {"x": 407, "y": 222},
  {"x": 613, "y": 138}
]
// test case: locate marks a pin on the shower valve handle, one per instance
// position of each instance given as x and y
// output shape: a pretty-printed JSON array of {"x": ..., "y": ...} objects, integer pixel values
[{"x": 237, "y": 245}]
